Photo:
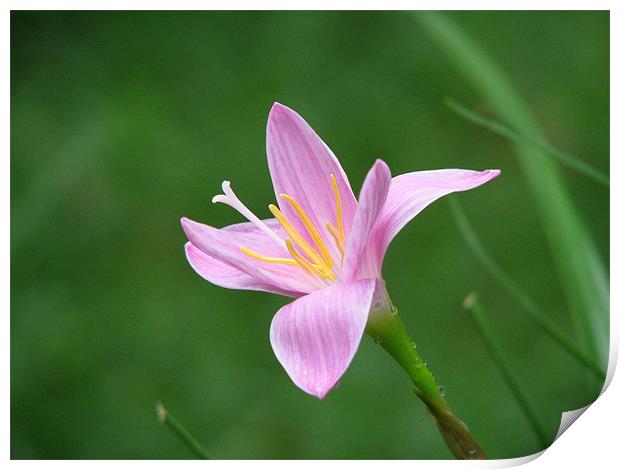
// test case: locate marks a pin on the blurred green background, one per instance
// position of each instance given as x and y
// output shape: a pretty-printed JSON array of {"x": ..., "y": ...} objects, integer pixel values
[{"x": 121, "y": 123}]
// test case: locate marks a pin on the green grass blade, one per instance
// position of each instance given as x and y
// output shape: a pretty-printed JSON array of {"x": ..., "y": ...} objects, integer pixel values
[
  {"x": 580, "y": 268},
  {"x": 530, "y": 306},
  {"x": 473, "y": 306},
  {"x": 169, "y": 420},
  {"x": 520, "y": 139}
]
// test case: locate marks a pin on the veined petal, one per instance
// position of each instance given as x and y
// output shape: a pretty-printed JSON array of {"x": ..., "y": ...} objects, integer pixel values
[
  {"x": 301, "y": 166},
  {"x": 224, "y": 247},
  {"x": 251, "y": 232},
  {"x": 224, "y": 275},
  {"x": 316, "y": 336},
  {"x": 409, "y": 194},
  {"x": 372, "y": 199}
]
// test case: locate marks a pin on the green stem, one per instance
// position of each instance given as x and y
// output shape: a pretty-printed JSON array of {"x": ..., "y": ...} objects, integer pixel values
[
  {"x": 519, "y": 138},
  {"x": 530, "y": 306},
  {"x": 473, "y": 306},
  {"x": 388, "y": 330},
  {"x": 169, "y": 420}
]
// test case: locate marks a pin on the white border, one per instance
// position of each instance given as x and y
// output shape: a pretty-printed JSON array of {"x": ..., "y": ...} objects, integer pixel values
[
  {"x": 308, "y": 5},
  {"x": 591, "y": 442}
]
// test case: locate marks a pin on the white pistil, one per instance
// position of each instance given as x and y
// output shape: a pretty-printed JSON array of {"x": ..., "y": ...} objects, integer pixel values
[{"x": 230, "y": 198}]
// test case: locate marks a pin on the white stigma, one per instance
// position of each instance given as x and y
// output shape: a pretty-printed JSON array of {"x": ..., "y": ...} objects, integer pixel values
[{"x": 230, "y": 199}]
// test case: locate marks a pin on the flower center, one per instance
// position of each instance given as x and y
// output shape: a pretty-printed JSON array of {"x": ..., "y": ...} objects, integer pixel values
[{"x": 317, "y": 264}]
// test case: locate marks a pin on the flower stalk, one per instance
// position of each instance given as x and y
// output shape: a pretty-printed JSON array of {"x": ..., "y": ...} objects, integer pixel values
[{"x": 386, "y": 327}]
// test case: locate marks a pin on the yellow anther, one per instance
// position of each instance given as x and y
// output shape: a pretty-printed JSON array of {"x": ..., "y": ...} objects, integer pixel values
[
  {"x": 311, "y": 269},
  {"x": 339, "y": 241},
  {"x": 307, "y": 257},
  {"x": 338, "y": 207},
  {"x": 268, "y": 259},
  {"x": 297, "y": 260},
  {"x": 324, "y": 272},
  {"x": 290, "y": 230},
  {"x": 338, "y": 233},
  {"x": 314, "y": 233}
]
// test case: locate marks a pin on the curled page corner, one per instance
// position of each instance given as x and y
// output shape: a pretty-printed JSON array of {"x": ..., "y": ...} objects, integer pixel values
[
  {"x": 568, "y": 418},
  {"x": 516, "y": 461}
]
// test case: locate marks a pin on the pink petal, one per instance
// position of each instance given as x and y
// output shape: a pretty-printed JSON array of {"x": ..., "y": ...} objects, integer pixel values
[
  {"x": 409, "y": 194},
  {"x": 224, "y": 246},
  {"x": 316, "y": 336},
  {"x": 249, "y": 231},
  {"x": 372, "y": 198},
  {"x": 301, "y": 166},
  {"x": 224, "y": 275}
]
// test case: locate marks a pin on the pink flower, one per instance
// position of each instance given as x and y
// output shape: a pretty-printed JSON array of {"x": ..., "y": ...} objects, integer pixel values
[{"x": 323, "y": 247}]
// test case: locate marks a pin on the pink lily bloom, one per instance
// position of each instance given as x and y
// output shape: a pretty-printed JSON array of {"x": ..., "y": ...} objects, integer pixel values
[{"x": 323, "y": 247}]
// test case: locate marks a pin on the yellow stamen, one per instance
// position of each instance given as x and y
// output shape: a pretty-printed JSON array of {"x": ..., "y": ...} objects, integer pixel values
[
  {"x": 268, "y": 259},
  {"x": 339, "y": 241},
  {"x": 325, "y": 272},
  {"x": 314, "y": 268},
  {"x": 309, "y": 268},
  {"x": 338, "y": 234},
  {"x": 338, "y": 207},
  {"x": 290, "y": 230},
  {"x": 314, "y": 233},
  {"x": 307, "y": 257}
]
